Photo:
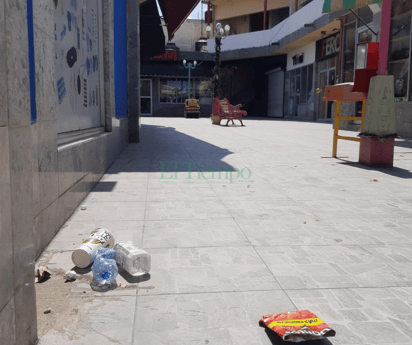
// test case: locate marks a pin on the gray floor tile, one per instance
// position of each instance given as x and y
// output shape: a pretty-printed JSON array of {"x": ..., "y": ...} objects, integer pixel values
[
  {"x": 213, "y": 232},
  {"x": 214, "y": 269}
]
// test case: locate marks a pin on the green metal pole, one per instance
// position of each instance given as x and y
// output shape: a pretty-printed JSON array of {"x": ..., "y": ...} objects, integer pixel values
[{"x": 190, "y": 66}]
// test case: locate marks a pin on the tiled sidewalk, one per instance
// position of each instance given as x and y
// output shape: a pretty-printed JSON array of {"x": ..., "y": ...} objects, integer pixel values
[{"x": 303, "y": 231}]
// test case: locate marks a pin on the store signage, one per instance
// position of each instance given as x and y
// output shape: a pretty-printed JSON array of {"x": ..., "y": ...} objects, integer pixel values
[
  {"x": 297, "y": 59},
  {"x": 168, "y": 55},
  {"x": 328, "y": 47}
]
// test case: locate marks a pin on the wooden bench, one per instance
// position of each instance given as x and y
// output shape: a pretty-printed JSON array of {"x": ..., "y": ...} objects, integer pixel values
[{"x": 222, "y": 109}]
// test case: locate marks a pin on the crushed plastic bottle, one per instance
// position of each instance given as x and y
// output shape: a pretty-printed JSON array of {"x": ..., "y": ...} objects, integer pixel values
[
  {"x": 134, "y": 260},
  {"x": 104, "y": 270},
  {"x": 106, "y": 253},
  {"x": 102, "y": 287}
]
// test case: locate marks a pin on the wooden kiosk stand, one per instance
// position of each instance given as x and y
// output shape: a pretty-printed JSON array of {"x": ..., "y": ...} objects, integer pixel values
[{"x": 343, "y": 93}]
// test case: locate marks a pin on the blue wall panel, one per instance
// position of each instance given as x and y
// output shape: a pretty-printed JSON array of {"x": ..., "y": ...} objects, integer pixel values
[
  {"x": 32, "y": 72},
  {"x": 120, "y": 57}
]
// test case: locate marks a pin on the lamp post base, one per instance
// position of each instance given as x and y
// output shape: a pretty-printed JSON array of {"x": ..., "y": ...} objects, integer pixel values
[{"x": 375, "y": 153}]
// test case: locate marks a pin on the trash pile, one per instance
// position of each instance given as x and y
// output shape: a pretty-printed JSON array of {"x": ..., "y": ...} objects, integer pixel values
[{"x": 100, "y": 250}]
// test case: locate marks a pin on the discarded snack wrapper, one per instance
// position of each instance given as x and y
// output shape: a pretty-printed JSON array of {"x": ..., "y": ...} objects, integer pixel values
[{"x": 297, "y": 326}]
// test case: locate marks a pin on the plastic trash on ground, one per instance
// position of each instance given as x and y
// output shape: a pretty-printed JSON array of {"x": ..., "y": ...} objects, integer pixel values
[
  {"x": 297, "y": 326},
  {"x": 132, "y": 259},
  {"x": 106, "y": 253},
  {"x": 103, "y": 287},
  {"x": 104, "y": 270},
  {"x": 83, "y": 256},
  {"x": 71, "y": 275}
]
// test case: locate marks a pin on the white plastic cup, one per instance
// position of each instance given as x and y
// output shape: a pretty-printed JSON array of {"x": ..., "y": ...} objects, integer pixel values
[
  {"x": 133, "y": 259},
  {"x": 99, "y": 238}
]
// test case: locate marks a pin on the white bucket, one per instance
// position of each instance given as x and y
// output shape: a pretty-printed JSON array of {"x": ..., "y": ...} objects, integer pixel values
[{"x": 99, "y": 238}]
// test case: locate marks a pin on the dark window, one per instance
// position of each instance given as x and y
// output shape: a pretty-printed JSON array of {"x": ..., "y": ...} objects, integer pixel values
[
  {"x": 303, "y": 91},
  {"x": 366, "y": 14},
  {"x": 349, "y": 53},
  {"x": 310, "y": 81},
  {"x": 256, "y": 22},
  {"x": 399, "y": 45}
]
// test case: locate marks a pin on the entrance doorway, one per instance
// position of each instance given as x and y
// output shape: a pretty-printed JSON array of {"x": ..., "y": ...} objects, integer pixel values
[{"x": 327, "y": 76}]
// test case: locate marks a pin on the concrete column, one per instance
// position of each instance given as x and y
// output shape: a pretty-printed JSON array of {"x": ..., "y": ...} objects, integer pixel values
[
  {"x": 133, "y": 70},
  {"x": 18, "y": 324},
  {"x": 108, "y": 61}
]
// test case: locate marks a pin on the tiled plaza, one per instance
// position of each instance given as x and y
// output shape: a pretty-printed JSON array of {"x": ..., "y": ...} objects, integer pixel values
[{"x": 295, "y": 229}]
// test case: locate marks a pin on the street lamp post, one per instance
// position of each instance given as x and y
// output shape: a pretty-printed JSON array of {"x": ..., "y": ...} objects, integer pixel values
[
  {"x": 189, "y": 66},
  {"x": 220, "y": 34}
]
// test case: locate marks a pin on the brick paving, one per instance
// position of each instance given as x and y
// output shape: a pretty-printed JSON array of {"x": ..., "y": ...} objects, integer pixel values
[{"x": 298, "y": 230}]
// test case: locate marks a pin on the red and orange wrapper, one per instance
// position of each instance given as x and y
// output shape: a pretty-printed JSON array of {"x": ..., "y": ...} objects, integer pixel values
[{"x": 297, "y": 326}]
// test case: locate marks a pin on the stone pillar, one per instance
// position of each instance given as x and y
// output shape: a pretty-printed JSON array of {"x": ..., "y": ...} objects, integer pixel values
[
  {"x": 18, "y": 324},
  {"x": 133, "y": 70}
]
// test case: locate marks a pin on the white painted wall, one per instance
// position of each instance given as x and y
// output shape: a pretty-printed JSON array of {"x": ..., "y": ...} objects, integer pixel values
[
  {"x": 296, "y": 21},
  {"x": 309, "y": 52}
]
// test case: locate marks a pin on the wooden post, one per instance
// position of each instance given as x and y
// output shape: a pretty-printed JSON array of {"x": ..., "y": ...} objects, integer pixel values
[{"x": 336, "y": 129}]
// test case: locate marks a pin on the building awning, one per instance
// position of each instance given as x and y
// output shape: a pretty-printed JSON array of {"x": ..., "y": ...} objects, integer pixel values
[
  {"x": 152, "y": 38},
  {"x": 152, "y": 69},
  {"x": 175, "y": 13},
  {"x": 337, "y": 5}
]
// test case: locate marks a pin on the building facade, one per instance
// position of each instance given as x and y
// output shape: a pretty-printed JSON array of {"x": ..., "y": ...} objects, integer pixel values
[
  {"x": 165, "y": 79},
  {"x": 69, "y": 105},
  {"x": 320, "y": 49}
]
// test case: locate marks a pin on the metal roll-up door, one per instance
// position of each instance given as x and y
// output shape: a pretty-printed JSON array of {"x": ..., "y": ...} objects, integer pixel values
[{"x": 275, "y": 96}]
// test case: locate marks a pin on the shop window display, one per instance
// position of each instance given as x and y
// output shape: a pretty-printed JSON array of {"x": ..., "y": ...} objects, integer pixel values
[
  {"x": 175, "y": 90},
  {"x": 349, "y": 53},
  {"x": 399, "y": 47}
]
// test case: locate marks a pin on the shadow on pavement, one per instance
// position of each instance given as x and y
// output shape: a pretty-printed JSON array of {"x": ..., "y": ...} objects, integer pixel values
[
  {"x": 132, "y": 279},
  {"x": 406, "y": 143},
  {"x": 163, "y": 149},
  {"x": 395, "y": 171}
]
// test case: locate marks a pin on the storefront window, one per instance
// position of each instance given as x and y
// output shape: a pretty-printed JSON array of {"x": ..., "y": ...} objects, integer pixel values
[
  {"x": 349, "y": 53},
  {"x": 175, "y": 90},
  {"x": 367, "y": 16},
  {"x": 298, "y": 88},
  {"x": 399, "y": 46},
  {"x": 204, "y": 90},
  {"x": 310, "y": 81}
]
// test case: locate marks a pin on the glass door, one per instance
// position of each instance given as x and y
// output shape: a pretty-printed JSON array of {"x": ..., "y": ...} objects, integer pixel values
[
  {"x": 323, "y": 81},
  {"x": 146, "y": 96},
  {"x": 327, "y": 76},
  {"x": 331, "y": 105}
]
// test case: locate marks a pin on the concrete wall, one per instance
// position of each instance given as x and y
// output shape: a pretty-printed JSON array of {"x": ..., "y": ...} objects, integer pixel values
[
  {"x": 188, "y": 34},
  {"x": 18, "y": 323},
  {"x": 404, "y": 119},
  {"x": 41, "y": 183},
  {"x": 234, "y": 8},
  {"x": 238, "y": 25}
]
